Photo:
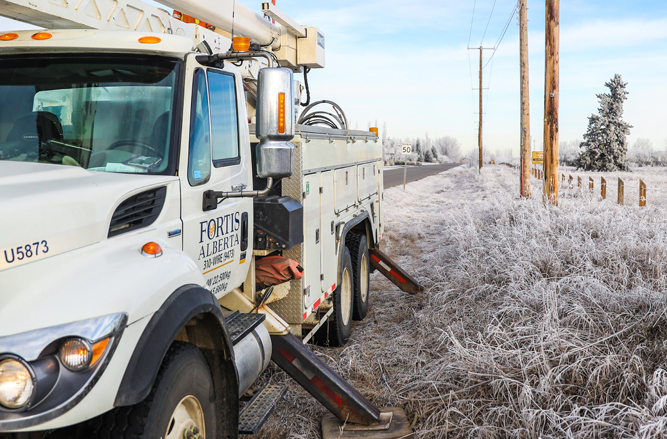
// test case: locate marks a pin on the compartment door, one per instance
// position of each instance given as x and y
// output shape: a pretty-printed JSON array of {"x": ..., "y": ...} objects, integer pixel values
[
  {"x": 312, "y": 239},
  {"x": 328, "y": 225},
  {"x": 367, "y": 181},
  {"x": 346, "y": 188}
]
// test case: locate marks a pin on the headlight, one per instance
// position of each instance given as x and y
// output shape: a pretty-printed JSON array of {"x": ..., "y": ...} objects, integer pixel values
[
  {"x": 16, "y": 384},
  {"x": 76, "y": 354}
]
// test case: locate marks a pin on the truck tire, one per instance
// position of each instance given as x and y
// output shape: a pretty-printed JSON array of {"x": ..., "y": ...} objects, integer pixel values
[
  {"x": 182, "y": 398},
  {"x": 361, "y": 268},
  {"x": 337, "y": 330}
]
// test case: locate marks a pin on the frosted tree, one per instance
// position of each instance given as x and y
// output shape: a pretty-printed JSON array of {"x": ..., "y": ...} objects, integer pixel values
[
  {"x": 449, "y": 146},
  {"x": 419, "y": 150},
  {"x": 641, "y": 152},
  {"x": 605, "y": 144}
]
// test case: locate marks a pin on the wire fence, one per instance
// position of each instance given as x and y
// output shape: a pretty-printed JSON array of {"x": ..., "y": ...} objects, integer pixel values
[{"x": 620, "y": 190}]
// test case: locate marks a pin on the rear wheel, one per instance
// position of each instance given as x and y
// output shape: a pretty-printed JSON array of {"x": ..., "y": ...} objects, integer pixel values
[
  {"x": 180, "y": 405},
  {"x": 337, "y": 330},
  {"x": 360, "y": 265}
]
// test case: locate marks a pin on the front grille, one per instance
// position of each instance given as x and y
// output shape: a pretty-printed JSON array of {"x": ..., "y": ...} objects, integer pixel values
[{"x": 138, "y": 211}]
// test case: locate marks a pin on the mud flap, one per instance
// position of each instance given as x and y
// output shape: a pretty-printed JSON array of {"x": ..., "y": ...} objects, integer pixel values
[{"x": 393, "y": 272}]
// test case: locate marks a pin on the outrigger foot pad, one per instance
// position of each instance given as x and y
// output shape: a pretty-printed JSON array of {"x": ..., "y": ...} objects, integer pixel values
[{"x": 393, "y": 424}]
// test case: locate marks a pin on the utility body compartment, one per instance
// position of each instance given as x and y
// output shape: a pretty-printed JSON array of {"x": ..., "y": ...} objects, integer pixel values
[{"x": 338, "y": 180}]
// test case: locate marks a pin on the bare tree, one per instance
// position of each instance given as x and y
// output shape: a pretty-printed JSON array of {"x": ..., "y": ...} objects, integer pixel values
[
  {"x": 449, "y": 146},
  {"x": 642, "y": 152}
]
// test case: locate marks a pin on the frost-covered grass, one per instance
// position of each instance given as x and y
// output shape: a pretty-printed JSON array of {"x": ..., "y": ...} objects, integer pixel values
[{"x": 538, "y": 321}]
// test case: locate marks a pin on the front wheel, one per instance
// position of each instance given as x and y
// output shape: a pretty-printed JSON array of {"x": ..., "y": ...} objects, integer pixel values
[{"x": 180, "y": 405}]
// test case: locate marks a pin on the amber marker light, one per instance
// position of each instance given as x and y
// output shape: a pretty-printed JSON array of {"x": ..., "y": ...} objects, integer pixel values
[
  {"x": 98, "y": 350},
  {"x": 374, "y": 130},
  {"x": 281, "y": 113},
  {"x": 151, "y": 249},
  {"x": 8, "y": 37},
  {"x": 241, "y": 44},
  {"x": 41, "y": 36},
  {"x": 149, "y": 40}
]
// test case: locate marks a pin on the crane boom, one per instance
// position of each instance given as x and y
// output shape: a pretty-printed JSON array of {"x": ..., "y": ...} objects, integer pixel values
[
  {"x": 133, "y": 15},
  {"x": 136, "y": 15},
  {"x": 244, "y": 23}
]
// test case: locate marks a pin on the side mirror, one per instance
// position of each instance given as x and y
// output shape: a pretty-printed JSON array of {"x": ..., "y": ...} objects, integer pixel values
[{"x": 275, "y": 122}]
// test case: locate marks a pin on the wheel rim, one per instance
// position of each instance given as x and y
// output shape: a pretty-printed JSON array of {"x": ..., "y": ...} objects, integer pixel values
[
  {"x": 363, "y": 287},
  {"x": 188, "y": 417},
  {"x": 346, "y": 297}
]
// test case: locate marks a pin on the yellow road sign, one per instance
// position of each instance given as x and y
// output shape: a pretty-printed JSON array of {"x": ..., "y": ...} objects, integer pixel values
[{"x": 538, "y": 157}]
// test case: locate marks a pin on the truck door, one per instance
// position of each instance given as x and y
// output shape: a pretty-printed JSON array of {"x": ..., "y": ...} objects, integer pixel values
[{"x": 215, "y": 155}]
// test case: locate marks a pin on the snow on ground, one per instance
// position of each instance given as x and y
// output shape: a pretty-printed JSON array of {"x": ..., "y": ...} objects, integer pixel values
[{"x": 537, "y": 321}]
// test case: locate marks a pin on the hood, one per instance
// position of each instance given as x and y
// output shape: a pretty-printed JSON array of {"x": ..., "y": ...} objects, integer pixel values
[{"x": 46, "y": 210}]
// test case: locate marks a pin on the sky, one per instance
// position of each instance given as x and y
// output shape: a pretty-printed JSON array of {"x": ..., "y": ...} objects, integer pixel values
[{"x": 406, "y": 64}]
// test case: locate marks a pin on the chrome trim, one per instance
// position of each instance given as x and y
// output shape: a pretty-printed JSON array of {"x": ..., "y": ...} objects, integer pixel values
[{"x": 29, "y": 345}]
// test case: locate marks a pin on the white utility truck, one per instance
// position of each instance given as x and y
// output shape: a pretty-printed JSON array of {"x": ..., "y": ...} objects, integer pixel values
[{"x": 146, "y": 166}]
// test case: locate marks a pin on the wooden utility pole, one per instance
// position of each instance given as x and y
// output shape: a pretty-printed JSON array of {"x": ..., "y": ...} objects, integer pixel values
[
  {"x": 479, "y": 140},
  {"x": 481, "y": 109},
  {"x": 551, "y": 75},
  {"x": 525, "y": 101}
]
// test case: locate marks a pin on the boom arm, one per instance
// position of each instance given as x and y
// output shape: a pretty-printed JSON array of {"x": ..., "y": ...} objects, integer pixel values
[
  {"x": 246, "y": 23},
  {"x": 133, "y": 15},
  {"x": 293, "y": 44}
]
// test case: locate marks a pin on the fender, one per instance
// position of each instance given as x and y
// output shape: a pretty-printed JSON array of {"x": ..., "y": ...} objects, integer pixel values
[
  {"x": 185, "y": 303},
  {"x": 349, "y": 226}
]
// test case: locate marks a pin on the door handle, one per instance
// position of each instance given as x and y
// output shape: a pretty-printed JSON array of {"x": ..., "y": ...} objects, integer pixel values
[{"x": 244, "y": 231}]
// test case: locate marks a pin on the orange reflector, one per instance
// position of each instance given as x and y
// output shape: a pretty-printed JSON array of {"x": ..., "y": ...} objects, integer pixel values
[
  {"x": 189, "y": 19},
  {"x": 8, "y": 37},
  {"x": 281, "y": 113},
  {"x": 98, "y": 350},
  {"x": 151, "y": 249},
  {"x": 241, "y": 44},
  {"x": 374, "y": 130},
  {"x": 41, "y": 36},
  {"x": 149, "y": 40}
]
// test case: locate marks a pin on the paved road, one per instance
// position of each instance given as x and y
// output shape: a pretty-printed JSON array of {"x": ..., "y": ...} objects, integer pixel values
[{"x": 394, "y": 177}]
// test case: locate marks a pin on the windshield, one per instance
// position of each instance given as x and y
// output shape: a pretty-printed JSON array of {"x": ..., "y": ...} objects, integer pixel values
[{"x": 103, "y": 113}]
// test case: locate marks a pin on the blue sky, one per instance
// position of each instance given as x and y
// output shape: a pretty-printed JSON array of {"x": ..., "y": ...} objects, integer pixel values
[{"x": 406, "y": 64}]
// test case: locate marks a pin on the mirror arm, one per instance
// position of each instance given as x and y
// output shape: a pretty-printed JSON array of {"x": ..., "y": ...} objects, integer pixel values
[{"x": 212, "y": 198}]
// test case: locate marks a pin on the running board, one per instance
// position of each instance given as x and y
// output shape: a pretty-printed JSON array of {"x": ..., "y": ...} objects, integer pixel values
[
  {"x": 329, "y": 388},
  {"x": 394, "y": 273},
  {"x": 259, "y": 408}
]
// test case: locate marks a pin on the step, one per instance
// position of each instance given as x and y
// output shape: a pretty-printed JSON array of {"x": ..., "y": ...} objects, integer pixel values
[
  {"x": 241, "y": 324},
  {"x": 260, "y": 407}
]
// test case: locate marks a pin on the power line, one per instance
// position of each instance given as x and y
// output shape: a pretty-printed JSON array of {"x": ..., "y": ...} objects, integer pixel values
[
  {"x": 488, "y": 89},
  {"x": 507, "y": 25},
  {"x": 487, "y": 23},
  {"x": 471, "y": 22}
]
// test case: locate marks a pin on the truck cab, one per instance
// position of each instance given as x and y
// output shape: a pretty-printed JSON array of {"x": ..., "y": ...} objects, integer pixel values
[{"x": 137, "y": 190}]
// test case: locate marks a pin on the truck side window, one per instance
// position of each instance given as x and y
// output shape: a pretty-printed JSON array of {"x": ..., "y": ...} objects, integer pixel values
[
  {"x": 199, "y": 160},
  {"x": 224, "y": 119}
]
